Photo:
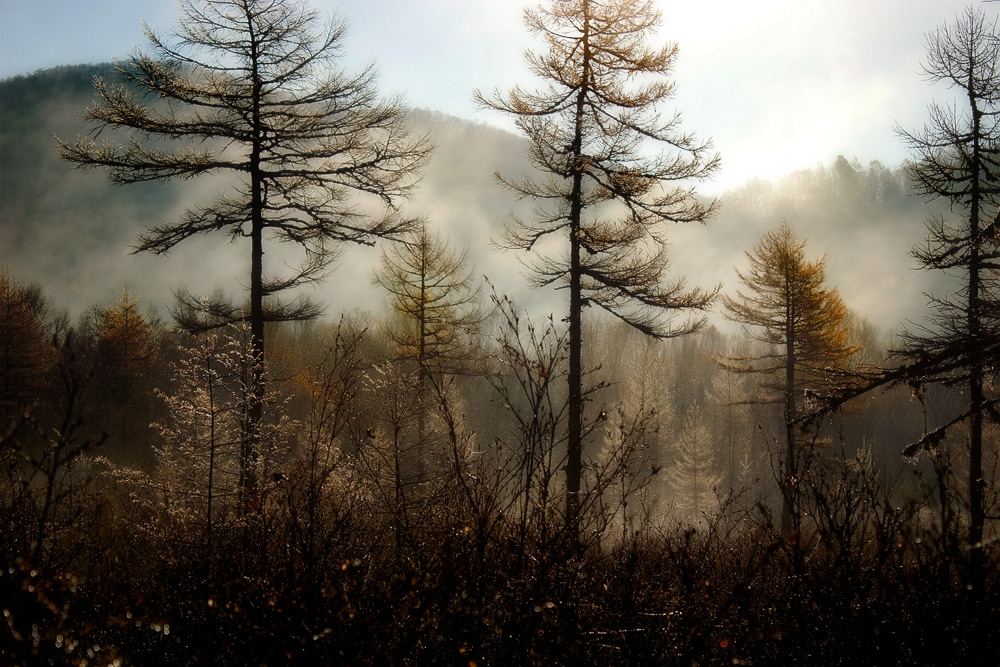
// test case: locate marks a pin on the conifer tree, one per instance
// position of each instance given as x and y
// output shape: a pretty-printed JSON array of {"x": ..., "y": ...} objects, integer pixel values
[
  {"x": 692, "y": 476},
  {"x": 249, "y": 90},
  {"x": 125, "y": 347},
  {"x": 593, "y": 131},
  {"x": 803, "y": 326},
  {"x": 433, "y": 295},
  {"x": 437, "y": 308},
  {"x": 198, "y": 471},
  {"x": 25, "y": 353},
  {"x": 956, "y": 160}
]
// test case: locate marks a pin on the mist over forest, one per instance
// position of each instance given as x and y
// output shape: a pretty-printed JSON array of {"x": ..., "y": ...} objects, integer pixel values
[
  {"x": 776, "y": 444},
  {"x": 861, "y": 215}
]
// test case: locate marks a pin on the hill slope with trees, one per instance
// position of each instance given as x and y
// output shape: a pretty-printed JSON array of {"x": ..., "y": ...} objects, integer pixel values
[{"x": 73, "y": 232}]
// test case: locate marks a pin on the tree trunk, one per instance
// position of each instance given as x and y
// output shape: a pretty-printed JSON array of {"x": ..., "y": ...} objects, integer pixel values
[
  {"x": 574, "y": 456},
  {"x": 789, "y": 512},
  {"x": 212, "y": 442},
  {"x": 255, "y": 410},
  {"x": 422, "y": 369},
  {"x": 977, "y": 510}
]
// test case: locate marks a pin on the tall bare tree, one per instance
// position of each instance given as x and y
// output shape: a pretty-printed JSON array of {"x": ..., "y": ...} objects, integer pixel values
[
  {"x": 804, "y": 328},
  {"x": 594, "y": 132},
  {"x": 249, "y": 90},
  {"x": 957, "y": 159}
]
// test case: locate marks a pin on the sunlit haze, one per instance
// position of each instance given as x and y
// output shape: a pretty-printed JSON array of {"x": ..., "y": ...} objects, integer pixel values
[
  {"x": 304, "y": 367},
  {"x": 778, "y": 84}
]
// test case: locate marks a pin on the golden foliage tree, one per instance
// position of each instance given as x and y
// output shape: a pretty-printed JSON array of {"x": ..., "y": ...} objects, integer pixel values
[
  {"x": 803, "y": 326},
  {"x": 123, "y": 358},
  {"x": 25, "y": 353},
  {"x": 126, "y": 339}
]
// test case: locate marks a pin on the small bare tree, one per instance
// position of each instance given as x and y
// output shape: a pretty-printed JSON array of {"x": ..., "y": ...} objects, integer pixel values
[{"x": 437, "y": 307}]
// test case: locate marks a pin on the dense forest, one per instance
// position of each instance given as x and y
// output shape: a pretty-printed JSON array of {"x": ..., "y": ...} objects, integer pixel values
[{"x": 383, "y": 480}]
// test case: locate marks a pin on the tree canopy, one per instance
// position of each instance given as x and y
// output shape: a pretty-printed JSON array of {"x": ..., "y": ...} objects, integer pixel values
[
  {"x": 785, "y": 304},
  {"x": 251, "y": 89}
]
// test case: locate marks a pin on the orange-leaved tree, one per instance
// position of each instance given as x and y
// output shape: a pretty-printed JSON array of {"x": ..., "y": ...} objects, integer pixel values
[{"x": 803, "y": 327}]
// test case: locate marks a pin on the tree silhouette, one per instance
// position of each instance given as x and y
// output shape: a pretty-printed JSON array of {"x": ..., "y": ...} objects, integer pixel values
[
  {"x": 249, "y": 90},
  {"x": 956, "y": 160},
  {"x": 593, "y": 132},
  {"x": 804, "y": 328}
]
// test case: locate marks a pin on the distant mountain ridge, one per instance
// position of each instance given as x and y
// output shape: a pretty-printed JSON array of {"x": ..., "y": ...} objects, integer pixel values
[{"x": 73, "y": 231}]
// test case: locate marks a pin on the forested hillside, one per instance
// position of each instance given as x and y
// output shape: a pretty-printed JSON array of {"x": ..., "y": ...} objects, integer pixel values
[
  {"x": 863, "y": 217},
  {"x": 74, "y": 232},
  {"x": 71, "y": 233},
  {"x": 384, "y": 482}
]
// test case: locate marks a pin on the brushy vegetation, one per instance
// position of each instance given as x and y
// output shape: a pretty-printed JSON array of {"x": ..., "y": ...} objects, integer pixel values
[{"x": 367, "y": 546}]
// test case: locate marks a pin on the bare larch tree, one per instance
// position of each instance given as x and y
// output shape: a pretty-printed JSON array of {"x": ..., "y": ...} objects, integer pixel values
[
  {"x": 956, "y": 159},
  {"x": 610, "y": 172},
  {"x": 249, "y": 90},
  {"x": 437, "y": 305}
]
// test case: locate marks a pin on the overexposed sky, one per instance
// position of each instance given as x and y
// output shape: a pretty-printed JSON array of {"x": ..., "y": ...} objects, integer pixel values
[{"x": 779, "y": 85}]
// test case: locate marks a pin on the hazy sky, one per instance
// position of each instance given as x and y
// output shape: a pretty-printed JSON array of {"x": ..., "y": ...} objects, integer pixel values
[{"x": 778, "y": 84}]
